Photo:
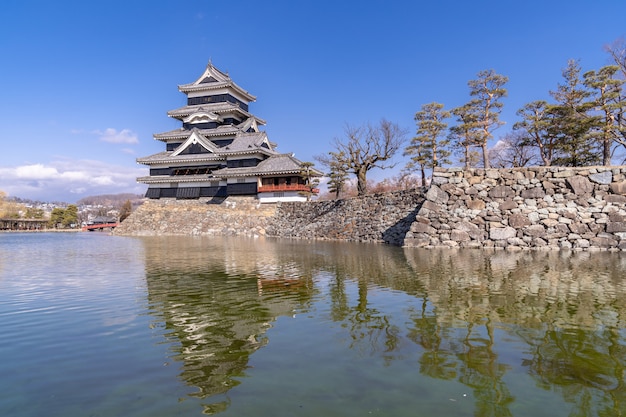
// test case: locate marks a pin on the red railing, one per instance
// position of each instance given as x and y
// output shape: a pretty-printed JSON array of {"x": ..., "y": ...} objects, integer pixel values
[
  {"x": 286, "y": 187},
  {"x": 91, "y": 227}
]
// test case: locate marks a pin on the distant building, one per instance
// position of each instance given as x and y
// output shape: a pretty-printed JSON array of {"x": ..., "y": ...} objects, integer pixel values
[{"x": 219, "y": 151}]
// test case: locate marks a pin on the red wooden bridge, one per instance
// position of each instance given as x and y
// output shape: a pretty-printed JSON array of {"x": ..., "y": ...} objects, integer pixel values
[{"x": 99, "y": 226}]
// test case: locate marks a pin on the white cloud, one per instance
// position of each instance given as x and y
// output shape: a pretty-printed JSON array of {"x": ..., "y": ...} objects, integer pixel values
[
  {"x": 32, "y": 172},
  {"x": 69, "y": 180},
  {"x": 111, "y": 135}
]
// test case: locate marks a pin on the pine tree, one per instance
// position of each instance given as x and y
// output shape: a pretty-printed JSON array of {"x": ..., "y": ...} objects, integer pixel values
[
  {"x": 338, "y": 175},
  {"x": 488, "y": 89},
  {"x": 463, "y": 136},
  {"x": 610, "y": 106},
  {"x": 571, "y": 123},
  {"x": 534, "y": 129},
  {"x": 427, "y": 150},
  {"x": 70, "y": 216},
  {"x": 309, "y": 180}
]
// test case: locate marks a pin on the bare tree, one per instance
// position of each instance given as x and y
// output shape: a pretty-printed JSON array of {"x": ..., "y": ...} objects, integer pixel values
[
  {"x": 125, "y": 210},
  {"x": 617, "y": 50},
  {"x": 513, "y": 150},
  {"x": 365, "y": 148}
]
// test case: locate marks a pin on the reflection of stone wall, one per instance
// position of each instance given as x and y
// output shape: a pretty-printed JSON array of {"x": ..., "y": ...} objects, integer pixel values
[
  {"x": 530, "y": 288},
  {"x": 542, "y": 207}
]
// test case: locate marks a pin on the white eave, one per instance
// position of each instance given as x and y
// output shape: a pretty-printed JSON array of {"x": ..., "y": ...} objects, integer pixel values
[
  {"x": 166, "y": 179},
  {"x": 168, "y": 159}
]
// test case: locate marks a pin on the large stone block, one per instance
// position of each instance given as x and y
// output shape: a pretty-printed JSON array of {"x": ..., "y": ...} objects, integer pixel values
[
  {"x": 476, "y": 204},
  {"x": 579, "y": 185},
  {"x": 501, "y": 191},
  {"x": 614, "y": 227},
  {"x": 459, "y": 235},
  {"x": 437, "y": 195},
  {"x": 502, "y": 233},
  {"x": 615, "y": 198},
  {"x": 619, "y": 187},
  {"x": 603, "y": 242},
  {"x": 423, "y": 228},
  {"x": 508, "y": 205},
  {"x": 536, "y": 230},
  {"x": 518, "y": 220},
  {"x": 535, "y": 192},
  {"x": 579, "y": 228},
  {"x": 605, "y": 177},
  {"x": 471, "y": 229}
]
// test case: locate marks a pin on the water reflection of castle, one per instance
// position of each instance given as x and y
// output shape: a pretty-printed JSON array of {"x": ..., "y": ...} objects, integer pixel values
[{"x": 217, "y": 305}]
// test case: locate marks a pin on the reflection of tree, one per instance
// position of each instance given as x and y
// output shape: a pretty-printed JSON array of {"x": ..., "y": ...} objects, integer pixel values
[
  {"x": 438, "y": 359},
  {"x": 482, "y": 372},
  {"x": 584, "y": 365},
  {"x": 576, "y": 292},
  {"x": 370, "y": 330},
  {"x": 370, "y": 325},
  {"x": 217, "y": 301}
]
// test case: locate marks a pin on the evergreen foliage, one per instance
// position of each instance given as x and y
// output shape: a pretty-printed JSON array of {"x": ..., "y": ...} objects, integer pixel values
[
  {"x": 427, "y": 149},
  {"x": 488, "y": 90}
]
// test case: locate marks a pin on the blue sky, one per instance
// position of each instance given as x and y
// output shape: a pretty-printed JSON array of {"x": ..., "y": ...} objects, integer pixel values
[{"x": 84, "y": 85}]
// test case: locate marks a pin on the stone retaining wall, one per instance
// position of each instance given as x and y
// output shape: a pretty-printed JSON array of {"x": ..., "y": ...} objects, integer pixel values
[
  {"x": 235, "y": 216},
  {"x": 543, "y": 207},
  {"x": 373, "y": 218}
]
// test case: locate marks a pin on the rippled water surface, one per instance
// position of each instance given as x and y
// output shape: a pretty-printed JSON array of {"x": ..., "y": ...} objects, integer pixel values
[{"x": 99, "y": 325}]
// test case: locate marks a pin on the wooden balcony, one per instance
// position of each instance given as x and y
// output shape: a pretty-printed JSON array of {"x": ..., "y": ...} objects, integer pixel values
[{"x": 285, "y": 187}]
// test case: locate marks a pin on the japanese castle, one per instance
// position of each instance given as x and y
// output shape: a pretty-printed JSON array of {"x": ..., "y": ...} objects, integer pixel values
[{"x": 219, "y": 151}]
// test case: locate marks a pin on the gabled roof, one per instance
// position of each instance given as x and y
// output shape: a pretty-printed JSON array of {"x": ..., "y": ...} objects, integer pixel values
[
  {"x": 242, "y": 144},
  {"x": 212, "y": 79},
  {"x": 217, "y": 108},
  {"x": 196, "y": 138},
  {"x": 279, "y": 164},
  {"x": 223, "y": 130},
  {"x": 250, "y": 142}
]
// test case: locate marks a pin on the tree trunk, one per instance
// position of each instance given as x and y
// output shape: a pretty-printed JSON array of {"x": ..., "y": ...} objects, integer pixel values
[
  {"x": 361, "y": 181},
  {"x": 606, "y": 154},
  {"x": 485, "y": 155}
]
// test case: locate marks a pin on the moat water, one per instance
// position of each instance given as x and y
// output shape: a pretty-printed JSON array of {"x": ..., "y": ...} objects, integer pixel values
[{"x": 99, "y": 325}]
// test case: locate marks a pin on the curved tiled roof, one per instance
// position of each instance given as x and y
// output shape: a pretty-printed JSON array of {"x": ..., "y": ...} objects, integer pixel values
[
  {"x": 275, "y": 165},
  {"x": 162, "y": 179},
  {"x": 224, "y": 130},
  {"x": 212, "y": 79},
  {"x": 248, "y": 143},
  {"x": 166, "y": 157},
  {"x": 218, "y": 108}
]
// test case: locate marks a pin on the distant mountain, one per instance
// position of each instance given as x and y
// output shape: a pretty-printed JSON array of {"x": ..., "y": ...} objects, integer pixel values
[{"x": 111, "y": 200}]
